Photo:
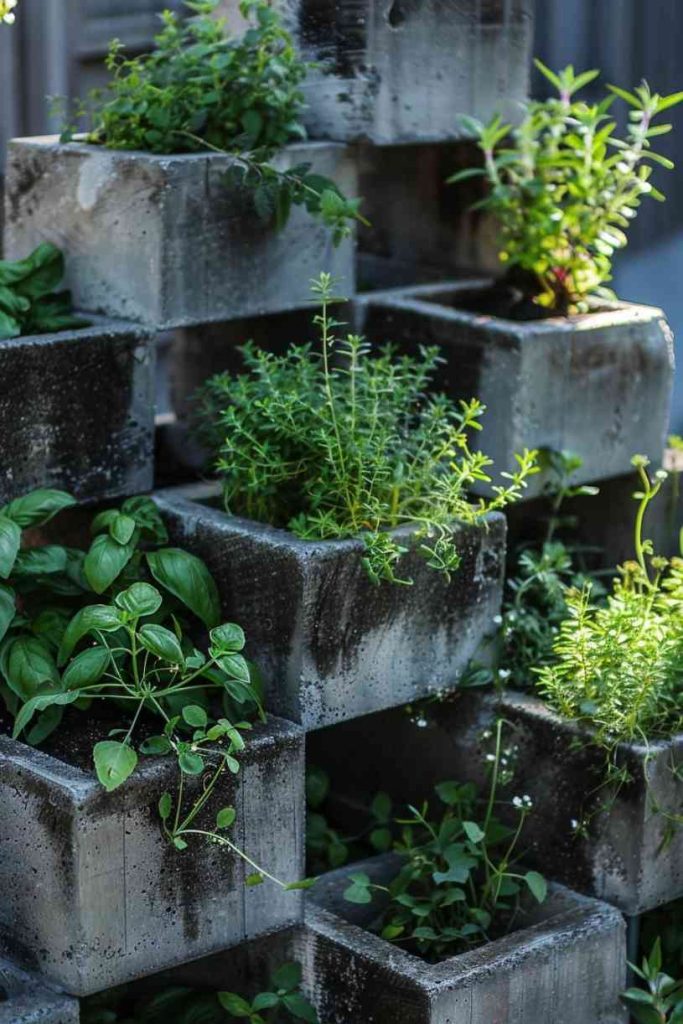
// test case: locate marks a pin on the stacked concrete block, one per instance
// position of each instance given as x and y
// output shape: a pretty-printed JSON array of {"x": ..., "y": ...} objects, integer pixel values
[
  {"x": 565, "y": 962},
  {"x": 26, "y": 999},
  {"x": 598, "y": 384},
  {"x": 331, "y": 644},
  {"x": 77, "y": 411},
  {"x": 93, "y": 893},
  {"x": 169, "y": 240}
]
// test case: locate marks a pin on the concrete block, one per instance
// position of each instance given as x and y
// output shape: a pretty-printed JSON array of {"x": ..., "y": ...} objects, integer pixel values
[
  {"x": 399, "y": 71},
  {"x": 564, "y": 963},
  {"x": 621, "y": 858},
  {"x": 163, "y": 239},
  {"x": 93, "y": 895},
  {"x": 26, "y": 999},
  {"x": 77, "y": 411},
  {"x": 331, "y": 645},
  {"x": 598, "y": 384}
]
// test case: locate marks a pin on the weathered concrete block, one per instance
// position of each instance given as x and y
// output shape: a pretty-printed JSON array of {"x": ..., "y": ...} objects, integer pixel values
[
  {"x": 25, "y": 999},
  {"x": 565, "y": 963},
  {"x": 447, "y": 239},
  {"x": 77, "y": 411},
  {"x": 93, "y": 895},
  {"x": 394, "y": 71},
  {"x": 163, "y": 239},
  {"x": 597, "y": 384},
  {"x": 332, "y": 645},
  {"x": 627, "y": 855}
]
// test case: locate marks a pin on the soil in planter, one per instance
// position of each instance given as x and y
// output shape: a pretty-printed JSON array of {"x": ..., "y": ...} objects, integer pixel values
[{"x": 505, "y": 299}]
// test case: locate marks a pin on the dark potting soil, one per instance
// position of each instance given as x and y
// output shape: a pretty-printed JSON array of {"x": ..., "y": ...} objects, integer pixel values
[{"x": 503, "y": 299}]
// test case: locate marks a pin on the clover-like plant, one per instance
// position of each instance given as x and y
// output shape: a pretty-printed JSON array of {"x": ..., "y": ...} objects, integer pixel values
[
  {"x": 341, "y": 442},
  {"x": 564, "y": 187},
  {"x": 458, "y": 886},
  {"x": 201, "y": 89},
  {"x": 29, "y": 303}
]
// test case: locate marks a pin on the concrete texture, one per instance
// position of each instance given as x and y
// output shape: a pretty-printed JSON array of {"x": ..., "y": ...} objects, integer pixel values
[
  {"x": 25, "y": 999},
  {"x": 93, "y": 895},
  {"x": 330, "y": 644},
  {"x": 397, "y": 71},
  {"x": 163, "y": 239},
  {"x": 622, "y": 858},
  {"x": 597, "y": 384},
  {"x": 565, "y": 963},
  {"x": 77, "y": 411}
]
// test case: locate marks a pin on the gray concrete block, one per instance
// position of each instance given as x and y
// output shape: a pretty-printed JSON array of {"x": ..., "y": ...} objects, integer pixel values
[
  {"x": 93, "y": 895},
  {"x": 597, "y": 384},
  {"x": 330, "y": 644},
  {"x": 565, "y": 963},
  {"x": 622, "y": 857},
  {"x": 397, "y": 71},
  {"x": 163, "y": 239},
  {"x": 77, "y": 411},
  {"x": 26, "y": 999}
]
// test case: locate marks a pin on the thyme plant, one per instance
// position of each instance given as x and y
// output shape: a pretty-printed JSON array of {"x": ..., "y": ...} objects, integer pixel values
[
  {"x": 458, "y": 886},
  {"x": 345, "y": 442},
  {"x": 202, "y": 90},
  {"x": 564, "y": 186},
  {"x": 29, "y": 303}
]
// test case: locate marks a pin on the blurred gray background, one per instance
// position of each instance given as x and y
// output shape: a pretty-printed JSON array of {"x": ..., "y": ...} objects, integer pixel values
[{"x": 56, "y": 48}]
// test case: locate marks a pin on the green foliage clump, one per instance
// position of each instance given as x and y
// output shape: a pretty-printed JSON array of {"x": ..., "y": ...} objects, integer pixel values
[
  {"x": 29, "y": 303},
  {"x": 200, "y": 90},
  {"x": 619, "y": 667},
  {"x": 458, "y": 886},
  {"x": 341, "y": 443},
  {"x": 282, "y": 1001},
  {"x": 565, "y": 189},
  {"x": 660, "y": 999}
]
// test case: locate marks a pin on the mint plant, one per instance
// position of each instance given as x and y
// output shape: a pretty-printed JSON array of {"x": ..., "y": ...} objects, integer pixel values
[
  {"x": 564, "y": 188},
  {"x": 282, "y": 1001},
  {"x": 29, "y": 303},
  {"x": 458, "y": 886},
  {"x": 202, "y": 90},
  {"x": 346, "y": 442},
  {"x": 660, "y": 1000}
]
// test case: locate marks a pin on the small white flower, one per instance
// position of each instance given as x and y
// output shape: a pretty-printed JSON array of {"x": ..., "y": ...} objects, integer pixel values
[
  {"x": 527, "y": 801},
  {"x": 517, "y": 802},
  {"x": 497, "y": 619},
  {"x": 574, "y": 824},
  {"x": 421, "y": 722},
  {"x": 487, "y": 734},
  {"x": 490, "y": 758},
  {"x": 7, "y": 11},
  {"x": 504, "y": 673}
]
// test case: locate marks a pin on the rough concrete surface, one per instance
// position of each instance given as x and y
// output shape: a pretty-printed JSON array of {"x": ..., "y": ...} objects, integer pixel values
[
  {"x": 621, "y": 858},
  {"x": 331, "y": 645},
  {"x": 77, "y": 411},
  {"x": 164, "y": 240},
  {"x": 598, "y": 384},
  {"x": 565, "y": 964},
  {"x": 26, "y": 999},
  {"x": 93, "y": 895}
]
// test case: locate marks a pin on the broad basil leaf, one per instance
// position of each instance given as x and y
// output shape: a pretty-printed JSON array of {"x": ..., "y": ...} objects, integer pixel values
[
  {"x": 105, "y": 560},
  {"x": 7, "y": 609},
  {"x": 93, "y": 617},
  {"x": 50, "y": 558},
  {"x": 114, "y": 763},
  {"x": 38, "y": 507},
  {"x": 30, "y": 665},
  {"x": 162, "y": 643},
  {"x": 10, "y": 539},
  {"x": 139, "y": 599},
  {"x": 40, "y": 703},
  {"x": 188, "y": 579},
  {"x": 86, "y": 668}
]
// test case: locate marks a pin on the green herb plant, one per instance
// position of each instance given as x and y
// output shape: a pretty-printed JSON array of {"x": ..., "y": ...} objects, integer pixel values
[
  {"x": 660, "y": 1001},
  {"x": 458, "y": 886},
  {"x": 618, "y": 666},
  {"x": 666, "y": 924},
  {"x": 202, "y": 90},
  {"x": 28, "y": 301},
  {"x": 341, "y": 442},
  {"x": 282, "y": 1001},
  {"x": 564, "y": 187},
  {"x": 112, "y": 627}
]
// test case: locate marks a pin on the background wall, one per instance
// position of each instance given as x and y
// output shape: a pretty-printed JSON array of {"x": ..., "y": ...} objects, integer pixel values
[{"x": 56, "y": 48}]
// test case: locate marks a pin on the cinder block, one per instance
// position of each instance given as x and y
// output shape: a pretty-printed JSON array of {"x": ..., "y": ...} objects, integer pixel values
[
  {"x": 597, "y": 384},
  {"x": 25, "y": 999},
  {"x": 94, "y": 895},
  {"x": 398, "y": 71},
  {"x": 622, "y": 857},
  {"x": 564, "y": 963},
  {"x": 77, "y": 411},
  {"x": 165, "y": 240},
  {"x": 331, "y": 645}
]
